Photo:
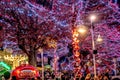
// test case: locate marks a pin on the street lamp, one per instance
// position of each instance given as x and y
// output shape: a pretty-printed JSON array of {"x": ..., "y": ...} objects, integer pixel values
[
  {"x": 82, "y": 29},
  {"x": 99, "y": 39},
  {"x": 42, "y": 59},
  {"x": 115, "y": 66},
  {"x": 92, "y": 19}
]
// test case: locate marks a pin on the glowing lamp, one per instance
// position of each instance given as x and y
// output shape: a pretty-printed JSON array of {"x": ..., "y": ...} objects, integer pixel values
[
  {"x": 99, "y": 39},
  {"x": 82, "y": 30},
  {"x": 92, "y": 18}
]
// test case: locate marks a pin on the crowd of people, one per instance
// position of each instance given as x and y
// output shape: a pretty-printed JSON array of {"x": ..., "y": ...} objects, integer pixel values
[
  {"x": 106, "y": 74},
  {"x": 49, "y": 74}
]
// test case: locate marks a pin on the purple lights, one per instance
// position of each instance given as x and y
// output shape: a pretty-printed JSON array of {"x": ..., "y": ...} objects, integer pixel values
[{"x": 28, "y": 26}]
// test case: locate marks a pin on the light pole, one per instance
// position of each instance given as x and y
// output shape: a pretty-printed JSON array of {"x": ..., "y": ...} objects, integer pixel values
[
  {"x": 42, "y": 59},
  {"x": 55, "y": 62},
  {"x": 115, "y": 66},
  {"x": 92, "y": 18}
]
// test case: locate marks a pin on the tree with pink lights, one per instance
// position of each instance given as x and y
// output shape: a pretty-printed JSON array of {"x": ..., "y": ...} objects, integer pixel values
[
  {"x": 29, "y": 29},
  {"x": 29, "y": 24}
]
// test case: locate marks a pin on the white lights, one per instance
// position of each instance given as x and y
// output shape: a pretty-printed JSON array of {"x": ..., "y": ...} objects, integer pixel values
[
  {"x": 92, "y": 17},
  {"x": 16, "y": 57},
  {"x": 99, "y": 39},
  {"x": 82, "y": 29}
]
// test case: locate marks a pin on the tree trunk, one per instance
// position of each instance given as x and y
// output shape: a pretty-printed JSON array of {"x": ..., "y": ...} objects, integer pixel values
[{"x": 32, "y": 60}]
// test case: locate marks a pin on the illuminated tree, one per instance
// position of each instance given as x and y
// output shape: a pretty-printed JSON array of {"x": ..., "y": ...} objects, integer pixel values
[
  {"x": 107, "y": 25},
  {"x": 28, "y": 24},
  {"x": 29, "y": 29}
]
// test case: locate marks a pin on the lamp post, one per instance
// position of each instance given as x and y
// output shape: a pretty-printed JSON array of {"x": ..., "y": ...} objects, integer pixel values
[
  {"x": 115, "y": 66},
  {"x": 99, "y": 39},
  {"x": 55, "y": 62},
  {"x": 92, "y": 18},
  {"x": 42, "y": 59}
]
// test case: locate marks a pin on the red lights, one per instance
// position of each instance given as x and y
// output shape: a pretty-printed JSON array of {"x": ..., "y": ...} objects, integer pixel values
[
  {"x": 17, "y": 71},
  {"x": 76, "y": 48},
  {"x": 34, "y": 71}
]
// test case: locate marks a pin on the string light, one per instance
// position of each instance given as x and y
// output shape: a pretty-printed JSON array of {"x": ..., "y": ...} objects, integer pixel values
[
  {"x": 76, "y": 49},
  {"x": 16, "y": 57}
]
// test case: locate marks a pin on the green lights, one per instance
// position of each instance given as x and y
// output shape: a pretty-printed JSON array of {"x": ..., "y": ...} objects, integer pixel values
[
  {"x": 5, "y": 65},
  {"x": 3, "y": 68}
]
